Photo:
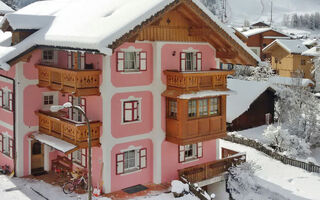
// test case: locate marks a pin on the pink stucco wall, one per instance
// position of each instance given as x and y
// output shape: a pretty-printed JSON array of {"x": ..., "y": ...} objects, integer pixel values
[
  {"x": 172, "y": 62},
  {"x": 125, "y": 79},
  {"x": 170, "y": 159},
  {"x": 120, "y": 129},
  {"x": 11, "y": 73},
  {"x": 29, "y": 70},
  {"x": 140, "y": 177}
]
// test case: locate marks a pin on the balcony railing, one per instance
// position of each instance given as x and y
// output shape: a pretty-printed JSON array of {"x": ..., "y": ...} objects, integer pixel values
[
  {"x": 198, "y": 80},
  {"x": 212, "y": 169},
  {"x": 77, "y": 82},
  {"x": 57, "y": 125}
]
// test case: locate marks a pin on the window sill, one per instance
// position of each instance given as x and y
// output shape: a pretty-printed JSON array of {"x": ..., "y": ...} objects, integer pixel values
[
  {"x": 190, "y": 161},
  {"x": 132, "y": 72},
  {"x": 7, "y": 109},
  {"x": 131, "y": 171},
  {"x": 133, "y": 122},
  {"x": 7, "y": 155}
]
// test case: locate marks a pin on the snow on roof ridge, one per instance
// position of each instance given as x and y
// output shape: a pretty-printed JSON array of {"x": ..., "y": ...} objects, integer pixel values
[
  {"x": 246, "y": 93},
  {"x": 291, "y": 45}
]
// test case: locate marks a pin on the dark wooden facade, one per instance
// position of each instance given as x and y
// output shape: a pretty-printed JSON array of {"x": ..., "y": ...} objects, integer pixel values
[{"x": 256, "y": 114}]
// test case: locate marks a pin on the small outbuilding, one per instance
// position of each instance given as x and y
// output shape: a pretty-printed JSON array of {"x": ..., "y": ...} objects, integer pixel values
[{"x": 251, "y": 106}]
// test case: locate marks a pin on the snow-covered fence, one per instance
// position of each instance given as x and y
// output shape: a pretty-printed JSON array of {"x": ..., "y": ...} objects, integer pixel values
[{"x": 310, "y": 167}]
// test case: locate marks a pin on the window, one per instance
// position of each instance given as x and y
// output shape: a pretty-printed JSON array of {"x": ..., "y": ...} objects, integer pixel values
[
  {"x": 303, "y": 62},
  {"x": 131, "y": 160},
  {"x": 190, "y": 152},
  {"x": 204, "y": 107},
  {"x": 131, "y": 111},
  {"x": 192, "y": 108},
  {"x": 48, "y": 56},
  {"x": 190, "y": 61},
  {"x": 214, "y": 106},
  {"x": 131, "y": 61},
  {"x": 79, "y": 157},
  {"x": 6, "y": 99},
  {"x": 6, "y": 145},
  {"x": 48, "y": 100},
  {"x": 75, "y": 114},
  {"x": 172, "y": 108}
]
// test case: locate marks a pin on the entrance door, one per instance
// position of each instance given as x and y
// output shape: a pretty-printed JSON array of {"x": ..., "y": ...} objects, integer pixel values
[{"x": 37, "y": 157}]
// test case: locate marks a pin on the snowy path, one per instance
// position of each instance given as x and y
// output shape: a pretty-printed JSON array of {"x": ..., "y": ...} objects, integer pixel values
[{"x": 291, "y": 182}]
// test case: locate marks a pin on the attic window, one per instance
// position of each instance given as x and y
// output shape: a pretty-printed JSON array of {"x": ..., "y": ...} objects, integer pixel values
[{"x": 48, "y": 56}]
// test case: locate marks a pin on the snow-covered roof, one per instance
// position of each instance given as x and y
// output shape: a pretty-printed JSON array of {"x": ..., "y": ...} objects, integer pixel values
[
  {"x": 54, "y": 142},
  {"x": 314, "y": 51},
  {"x": 292, "y": 46},
  {"x": 4, "y": 8},
  {"x": 5, "y": 38},
  {"x": 256, "y": 31},
  {"x": 309, "y": 42},
  {"x": 289, "y": 81},
  {"x": 246, "y": 93},
  {"x": 87, "y": 24}
]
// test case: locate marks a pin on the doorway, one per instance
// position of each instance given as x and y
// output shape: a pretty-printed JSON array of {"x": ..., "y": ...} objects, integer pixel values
[{"x": 37, "y": 158}]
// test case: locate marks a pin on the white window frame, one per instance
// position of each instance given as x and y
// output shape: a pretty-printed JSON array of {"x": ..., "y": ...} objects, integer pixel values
[
  {"x": 197, "y": 152},
  {"x": 77, "y": 156},
  {"x": 6, "y": 99},
  {"x": 253, "y": 49},
  {"x": 193, "y": 148},
  {"x": 194, "y": 59},
  {"x": 137, "y": 68},
  {"x": 131, "y": 98},
  {"x": 55, "y": 99},
  {"x": 5, "y": 145},
  {"x": 49, "y": 61},
  {"x": 140, "y": 160}
]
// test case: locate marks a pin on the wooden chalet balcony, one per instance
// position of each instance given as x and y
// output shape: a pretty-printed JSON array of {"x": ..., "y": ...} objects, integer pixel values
[
  {"x": 197, "y": 80},
  {"x": 57, "y": 125},
  {"x": 78, "y": 82},
  {"x": 212, "y": 169}
]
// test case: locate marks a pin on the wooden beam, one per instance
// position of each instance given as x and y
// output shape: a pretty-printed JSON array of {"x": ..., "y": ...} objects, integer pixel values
[
  {"x": 226, "y": 54},
  {"x": 199, "y": 31}
]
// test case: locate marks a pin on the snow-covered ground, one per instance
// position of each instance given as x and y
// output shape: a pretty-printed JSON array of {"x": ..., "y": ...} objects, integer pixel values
[
  {"x": 26, "y": 189},
  {"x": 291, "y": 182},
  {"x": 257, "y": 134}
]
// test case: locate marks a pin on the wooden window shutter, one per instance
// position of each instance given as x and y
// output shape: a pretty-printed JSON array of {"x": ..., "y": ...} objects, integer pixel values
[
  {"x": 120, "y": 61},
  {"x": 10, "y": 101},
  {"x": 83, "y": 104},
  {"x": 143, "y": 61},
  {"x": 84, "y": 157},
  {"x": 200, "y": 152},
  {"x": 69, "y": 60},
  {"x": 181, "y": 154},
  {"x": 1, "y": 142},
  {"x": 199, "y": 61},
  {"x": 82, "y": 60},
  {"x": 1, "y": 98},
  {"x": 135, "y": 110},
  {"x": 70, "y": 110},
  {"x": 11, "y": 147},
  {"x": 143, "y": 158},
  {"x": 120, "y": 163},
  {"x": 183, "y": 61},
  {"x": 128, "y": 111}
]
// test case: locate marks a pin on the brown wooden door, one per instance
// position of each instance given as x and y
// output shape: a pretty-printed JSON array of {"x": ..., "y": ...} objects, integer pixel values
[{"x": 37, "y": 156}]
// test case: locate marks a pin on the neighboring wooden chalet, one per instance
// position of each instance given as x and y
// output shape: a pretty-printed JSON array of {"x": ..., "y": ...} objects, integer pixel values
[
  {"x": 252, "y": 104},
  {"x": 287, "y": 58},
  {"x": 260, "y": 25},
  {"x": 259, "y": 38}
]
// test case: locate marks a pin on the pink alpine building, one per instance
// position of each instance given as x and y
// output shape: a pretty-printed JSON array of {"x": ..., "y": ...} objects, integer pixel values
[{"x": 151, "y": 76}]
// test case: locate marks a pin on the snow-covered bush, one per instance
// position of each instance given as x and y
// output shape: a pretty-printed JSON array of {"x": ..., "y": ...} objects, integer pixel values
[
  {"x": 298, "y": 111},
  {"x": 260, "y": 73},
  {"x": 241, "y": 180},
  {"x": 178, "y": 188},
  {"x": 285, "y": 142}
]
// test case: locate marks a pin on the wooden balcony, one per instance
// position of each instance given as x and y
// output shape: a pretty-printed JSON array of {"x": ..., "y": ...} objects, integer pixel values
[
  {"x": 198, "y": 80},
  {"x": 57, "y": 125},
  {"x": 77, "y": 82},
  {"x": 212, "y": 169}
]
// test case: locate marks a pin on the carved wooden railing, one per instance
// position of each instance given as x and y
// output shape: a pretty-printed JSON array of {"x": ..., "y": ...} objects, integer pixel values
[
  {"x": 211, "y": 169},
  {"x": 199, "y": 80},
  {"x": 56, "y": 125},
  {"x": 78, "y": 82}
]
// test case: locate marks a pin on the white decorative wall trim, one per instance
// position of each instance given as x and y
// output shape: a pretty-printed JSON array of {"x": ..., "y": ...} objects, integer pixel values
[
  {"x": 190, "y": 50},
  {"x": 130, "y": 148},
  {"x": 131, "y": 49}
]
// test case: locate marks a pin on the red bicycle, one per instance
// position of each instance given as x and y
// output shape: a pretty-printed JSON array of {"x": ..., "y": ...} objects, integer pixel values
[{"x": 76, "y": 182}]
